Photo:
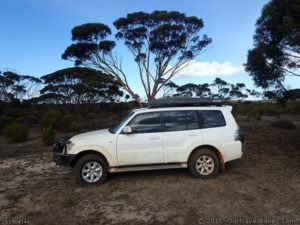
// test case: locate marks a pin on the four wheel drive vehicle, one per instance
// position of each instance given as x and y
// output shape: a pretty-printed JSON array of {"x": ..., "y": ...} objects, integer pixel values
[{"x": 201, "y": 138}]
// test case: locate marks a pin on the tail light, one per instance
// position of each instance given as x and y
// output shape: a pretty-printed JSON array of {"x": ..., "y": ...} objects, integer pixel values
[{"x": 239, "y": 136}]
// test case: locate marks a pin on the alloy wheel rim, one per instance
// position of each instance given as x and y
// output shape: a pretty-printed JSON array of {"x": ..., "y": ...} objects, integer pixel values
[
  {"x": 205, "y": 165},
  {"x": 91, "y": 172}
]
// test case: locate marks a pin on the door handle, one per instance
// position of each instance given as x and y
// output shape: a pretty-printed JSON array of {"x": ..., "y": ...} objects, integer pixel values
[
  {"x": 193, "y": 134},
  {"x": 154, "y": 137}
]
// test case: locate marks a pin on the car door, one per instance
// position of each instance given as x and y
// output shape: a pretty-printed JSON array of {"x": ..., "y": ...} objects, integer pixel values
[
  {"x": 144, "y": 144},
  {"x": 181, "y": 133}
]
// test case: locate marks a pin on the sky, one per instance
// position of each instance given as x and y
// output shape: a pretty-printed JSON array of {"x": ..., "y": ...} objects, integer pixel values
[{"x": 34, "y": 34}]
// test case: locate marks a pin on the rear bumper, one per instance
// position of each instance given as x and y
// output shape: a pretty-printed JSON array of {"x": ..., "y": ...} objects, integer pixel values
[
  {"x": 63, "y": 160},
  {"x": 233, "y": 150}
]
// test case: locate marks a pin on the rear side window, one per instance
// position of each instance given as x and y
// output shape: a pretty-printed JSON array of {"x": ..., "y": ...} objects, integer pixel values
[
  {"x": 211, "y": 118},
  {"x": 192, "y": 120},
  {"x": 180, "y": 120},
  {"x": 146, "y": 123}
]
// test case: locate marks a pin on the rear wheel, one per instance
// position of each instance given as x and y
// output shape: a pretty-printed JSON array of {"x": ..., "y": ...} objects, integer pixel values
[
  {"x": 204, "y": 164},
  {"x": 91, "y": 169}
]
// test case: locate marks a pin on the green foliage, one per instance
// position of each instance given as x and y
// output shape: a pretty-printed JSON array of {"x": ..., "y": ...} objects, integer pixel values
[
  {"x": 90, "y": 31},
  {"x": 257, "y": 116},
  {"x": 161, "y": 39},
  {"x": 293, "y": 94},
  {"x": 52, "y": 119},
  {"x": 266, "y": 108},
  {"x": 67, "y": 123},
  {"x": 91, "y": 115},
  {"x": 56, "y": 120},
  {"x": 15, "y": 87},
  {"x": 48, "y": 136},
  {"x": 159, "y": 28},
  {"x": 14, "y": 111},
  {"x": 188, "y": 90},
  {"x": 16, "y": 132},
  {"x": 5, "y": 84},
  {"x": 218, "y": 89},
  {"x": 28, "y": 119},
  {"x": 284, "y": 124},
  {"x": 276, "y": 44},
  {"x": 119, "y": 107},
  {"x": 4, "y": 121},
  {"x": 79, "y": 86}
]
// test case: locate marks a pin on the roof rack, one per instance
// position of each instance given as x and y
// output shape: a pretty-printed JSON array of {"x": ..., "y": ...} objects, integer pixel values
[{"x": 184, "y": 101}]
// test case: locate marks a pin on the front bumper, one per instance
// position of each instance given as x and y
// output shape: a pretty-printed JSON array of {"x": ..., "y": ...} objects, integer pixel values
[
  {"x": 60, "y": 156},
  {"x": 63, "y": 160}
]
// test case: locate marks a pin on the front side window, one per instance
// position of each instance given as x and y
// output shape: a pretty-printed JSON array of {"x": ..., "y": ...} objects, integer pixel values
[
  {"x": 212, "y": 118},
  {"x": 146, "y": 123},
  {"x": 114, "y": 129},
  {"x": 180, "y": 120}
]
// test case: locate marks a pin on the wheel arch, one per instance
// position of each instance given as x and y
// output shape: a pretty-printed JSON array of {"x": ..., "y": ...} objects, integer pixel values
[
  {"x": 87, "y": 152},
  {"x": 215, "y": 150}
]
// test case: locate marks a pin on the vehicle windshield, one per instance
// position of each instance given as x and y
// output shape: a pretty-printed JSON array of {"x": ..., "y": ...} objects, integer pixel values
[{"x": 114, "y": 129}]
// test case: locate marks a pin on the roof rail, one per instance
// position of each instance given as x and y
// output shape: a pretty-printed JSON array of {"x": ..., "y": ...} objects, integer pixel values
[{"x": 185, "y": 101}]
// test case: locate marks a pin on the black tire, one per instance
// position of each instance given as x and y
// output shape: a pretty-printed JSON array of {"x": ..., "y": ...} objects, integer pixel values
[
  {"x": 94, "y": 160},
  {"x": 204, "y": 154}
]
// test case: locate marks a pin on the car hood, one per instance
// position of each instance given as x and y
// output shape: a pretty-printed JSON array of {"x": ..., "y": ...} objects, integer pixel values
[{"x": 93, "y": 135}]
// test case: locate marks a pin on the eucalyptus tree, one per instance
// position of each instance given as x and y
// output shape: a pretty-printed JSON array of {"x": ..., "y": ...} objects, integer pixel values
[
  {"x": 194, "y": 90},
  {"x": 14, "y": 86},
  {"x": 276, "y": 52},
  {"x": 79, "y": 85},
  {"x": 162, "y": 43}
]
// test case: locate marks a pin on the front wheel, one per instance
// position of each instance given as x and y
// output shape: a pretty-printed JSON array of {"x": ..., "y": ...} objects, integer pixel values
[
  {"x": 90, "y": 170},
  {"x": 204, "y": 164}
]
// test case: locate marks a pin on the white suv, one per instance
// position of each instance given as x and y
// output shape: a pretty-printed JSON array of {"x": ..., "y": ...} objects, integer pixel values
[{"x": 201, "y": 138}]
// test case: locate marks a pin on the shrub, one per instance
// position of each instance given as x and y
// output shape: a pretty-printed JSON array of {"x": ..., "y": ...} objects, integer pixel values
[
  {"x": 292, "y": 107},
  {"x": 4, "y": 121},
  {"x": 16, "y": 132},
  {"x": 91, "y": 115},
  {"x": 48, "y": 136},
  {"x": 27, "y": 119},
  {"x": 51, "y": 119},
  {"x": 284, "y": 124},
  {"x": 14, "y": 111},
  {"x": 256, "y": 115},
  {"x": 67, "y": 123}
]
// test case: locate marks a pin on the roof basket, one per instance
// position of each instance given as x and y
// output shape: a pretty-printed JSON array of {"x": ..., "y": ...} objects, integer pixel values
[{"x": 183, "y": 101}]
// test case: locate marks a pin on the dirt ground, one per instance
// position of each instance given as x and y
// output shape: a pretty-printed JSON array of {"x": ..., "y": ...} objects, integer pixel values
[{"x": 262, "y": 187}]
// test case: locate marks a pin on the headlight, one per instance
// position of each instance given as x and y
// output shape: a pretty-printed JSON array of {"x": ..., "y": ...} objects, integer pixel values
[{"x": 69, "y": 145}]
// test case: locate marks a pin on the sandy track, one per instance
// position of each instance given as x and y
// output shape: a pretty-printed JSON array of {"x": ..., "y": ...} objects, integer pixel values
[{"x": 264, "y": 184}]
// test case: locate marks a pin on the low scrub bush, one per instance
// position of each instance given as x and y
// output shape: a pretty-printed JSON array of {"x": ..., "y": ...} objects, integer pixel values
[
  {"x": 48, "y": 136},
  {"x": 266, "y": 108},
  {"x": 284, "y": 124},
  {"x": 4, "y": 121},
  {"x": 16, "y": 132},
  {"x": 14, "y": 111},
  {"x": 257, "y": 115},
  {"x": 91, "y": 115},
  {"x": 67, "y": 123},
  {"x": 51, "y": 119},
  {"x": 28, "y": 119}
]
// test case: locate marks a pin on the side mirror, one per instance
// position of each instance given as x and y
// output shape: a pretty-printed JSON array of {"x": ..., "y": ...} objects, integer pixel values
[{"x": 127, "y": 130}]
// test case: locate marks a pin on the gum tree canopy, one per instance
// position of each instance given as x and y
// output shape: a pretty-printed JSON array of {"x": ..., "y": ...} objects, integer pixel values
[
  {"x": 161, "y": 42},
  {"x": 276, "y": 51},
  {"x": 78, "y": 86},
  {"x": 16, "y": 87}
]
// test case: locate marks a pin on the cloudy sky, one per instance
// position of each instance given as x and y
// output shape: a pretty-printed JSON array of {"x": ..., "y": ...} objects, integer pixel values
[{"x": 35, "y": 33}]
